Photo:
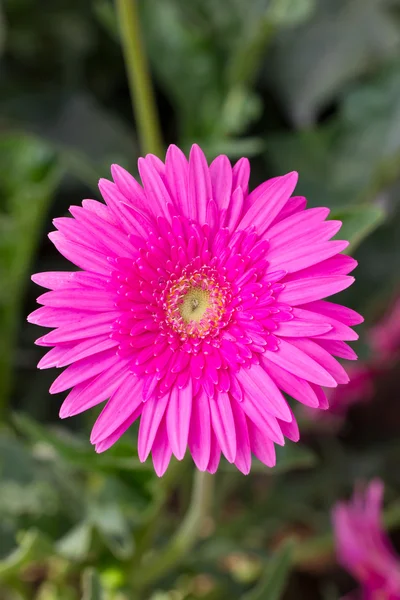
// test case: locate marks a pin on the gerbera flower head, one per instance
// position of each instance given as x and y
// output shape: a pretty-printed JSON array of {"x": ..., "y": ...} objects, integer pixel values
[
  {"x": 363, "y": 547},
  {"x": 197, "y": 304}
]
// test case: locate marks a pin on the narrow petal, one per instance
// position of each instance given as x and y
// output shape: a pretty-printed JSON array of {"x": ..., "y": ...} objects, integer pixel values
[
  {"x": 341, "y": 313},
  {"x": 261, "y": 446},
  {"x": 302, "y": 328},
  {"x": 299, "y": 363},
  {"x": 129, "y": 187},
  {"x": 241, "y": 175},
  {"x": 83, "y": 370},
  {"x": 215, "y": 454},
  {"x": 122, "y": 404},
  {"x": 178, "y": 419},
  {"x": 260, "y": 387},
  {"x": 243, "y": 454},
  {"x": 80, "y": 255},
  {"x": 308, "y": 290},
  {"x": 338, "y": 348},
  {"x": 338, "y": 331},
  {"x": 295, "y": 386},
  {"x": 294, "y": 205},
  {"x": 152, "y": 414},
  {"x": 114, "y": 437},
  {"x": 322, "y": 357},
  {"x": 300, "y": 257},
  {"x": 161, "y": 450},
  {"x": 200, "y": 431},
  {"x": 221, "y": 181},
  {"x": 157, "y": 194},
  {"x": 199, "y": 192},
  {"x": 177, "y": 168},
  {"x": 270, "y": 202},
  {"x": 224, "y": 425},
  {"x": 97, "y": 390}
]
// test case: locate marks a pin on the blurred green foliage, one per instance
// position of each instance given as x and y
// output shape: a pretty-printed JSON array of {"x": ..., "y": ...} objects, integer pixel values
[{"x": 293, "y": 84}]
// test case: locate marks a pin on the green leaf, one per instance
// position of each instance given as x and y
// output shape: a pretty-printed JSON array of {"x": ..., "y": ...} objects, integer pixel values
[
  {"x": 272, "y": 585},
  {"x": 29, "y": 176},
  {"x": 91, "y": 585},
  {"x": 33, "y": 546},
  {"x": 358, "y": 223},
  {"x": 310, "y": 64}
]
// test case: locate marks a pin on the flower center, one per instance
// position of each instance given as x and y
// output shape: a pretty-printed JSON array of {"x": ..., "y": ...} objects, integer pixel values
[{"x": 195, "y": 304}]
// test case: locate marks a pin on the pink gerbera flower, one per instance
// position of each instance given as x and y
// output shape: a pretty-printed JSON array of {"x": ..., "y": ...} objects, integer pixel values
[
  {"x": 363, "y": 547},
  {"x": 197, "y": 305}
]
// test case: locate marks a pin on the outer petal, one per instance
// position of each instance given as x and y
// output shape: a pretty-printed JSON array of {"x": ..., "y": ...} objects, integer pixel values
[
  {"x": 178, "y": 419},
  {"x": 224, "y": 425},
  {"x": 200, "y": 431},
  {"x": 152, "y": 414}
]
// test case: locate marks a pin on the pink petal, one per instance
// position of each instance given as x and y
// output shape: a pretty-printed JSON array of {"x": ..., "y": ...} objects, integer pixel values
[
  {"x": 97, "y": 390},
  {"x": 80, "y": 255},
  {"x": 129, "y": 187},
  {"x": 296, "y": 258},
  {"x": 178, "y": 419},
  {"x": 243, "y": 454},
  {"x": 274, "y": 197},
  {"x": 161, "y": 450},
  {"x": 295, "y": 226},
  {"x": 83, "y": 370},
  {"x": 336, "y": 311},
  {"x": 259, "y": 386},
  {"x": 257, "y": 413},
  {"x": 301, "y": 328},
  {"x": 308, "y": 290},
  {"x": 199, "y": 192},
  {"x": 322, "y": 357},
  {"x": 221, "y": 181},
  {"x": 338, "y": 348},
  {"x": 122, "y": 404},
  {"x": 340, "y": 264},
  {"x": 177, "y": 168},
  {"x": 261, "y": 446},
  {"x": 152, "y": 414},
  {"x": 298, "y": 363},
  {"x": 296, "y": 387},
  {"x": 75, "y": 327},
  {"x": 215, "y": 454},
  {"x": 292, "y": 206},
  {"x": 90, "y": 300},
  {"x": 157, "y": 194},
  {"x": 290, "y": 429},
  {"x": 110, "y": 441},
  {"x": 200, "y": 431},
  {"x": 224, "y": 425},
  {"x": 241, "y": 175},
  {"x": 87, "y": 347},
  {"x": 338, "y": 331}
]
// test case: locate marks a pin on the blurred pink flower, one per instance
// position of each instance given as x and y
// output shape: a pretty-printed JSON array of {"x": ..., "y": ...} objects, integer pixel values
[
  {"x": 198, "y": 303},
  {"x": 384, "y": 338},
  {"x": 363, "y": 548}
]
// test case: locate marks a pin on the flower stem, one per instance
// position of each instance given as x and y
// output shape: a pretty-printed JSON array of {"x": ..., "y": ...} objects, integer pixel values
[
  {"x": 183, "y": 539},
  {"x": 143, "y": 102}
]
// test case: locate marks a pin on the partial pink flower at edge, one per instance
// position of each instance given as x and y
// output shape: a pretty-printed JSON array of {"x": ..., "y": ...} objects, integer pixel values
[
  {"x": 363, "y": 547},
  {"x": 197, "y": 304}
]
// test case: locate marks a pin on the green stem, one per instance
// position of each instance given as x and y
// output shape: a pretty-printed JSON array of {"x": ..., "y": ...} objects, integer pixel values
[
  {"x": 143, "y": 103},
  {"x": 184, "y": 538}
]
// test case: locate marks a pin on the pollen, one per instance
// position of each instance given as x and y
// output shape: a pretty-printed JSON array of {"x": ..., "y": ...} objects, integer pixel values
[{"x": 195, "y": 304}]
